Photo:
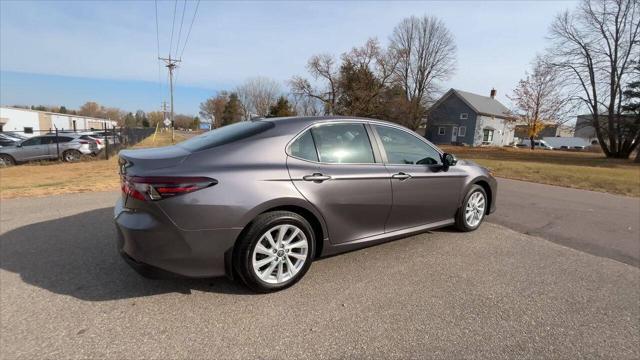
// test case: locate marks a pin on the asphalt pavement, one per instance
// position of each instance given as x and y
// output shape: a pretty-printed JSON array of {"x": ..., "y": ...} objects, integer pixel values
[
  {"x": 493, "y": 293},
  {"x": 598, "y": 223}
]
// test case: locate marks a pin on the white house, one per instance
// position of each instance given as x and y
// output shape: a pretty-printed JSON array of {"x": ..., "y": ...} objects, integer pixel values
[{"x": 33, "y": 122}]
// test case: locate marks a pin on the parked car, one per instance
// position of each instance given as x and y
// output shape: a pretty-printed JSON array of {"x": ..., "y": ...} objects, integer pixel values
[
  {"x": 111, "y": 136},
  {"x": 259, "y": 200},
  {"x": 7, "y": 140},
  {"x": 14, "y": 135},
  {"x": 71, "y": 147},
  {"x": 526, "y": 143},
  {"x": 93, "y": 137}
]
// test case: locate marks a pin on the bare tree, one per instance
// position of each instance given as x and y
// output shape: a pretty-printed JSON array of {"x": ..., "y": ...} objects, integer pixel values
[
  {"x": 306, "y": 106},
  {"x": 426, "y": 54},
  {"x": 540, "y": 99},
  {"x": 596, "y": 47},
  {"x": 257, "y": 95},
  {"x": 321, "y": 67}
]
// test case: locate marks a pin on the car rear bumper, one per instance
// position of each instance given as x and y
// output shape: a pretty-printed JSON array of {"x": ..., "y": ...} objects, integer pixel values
[{"x": 158, "y": 248}]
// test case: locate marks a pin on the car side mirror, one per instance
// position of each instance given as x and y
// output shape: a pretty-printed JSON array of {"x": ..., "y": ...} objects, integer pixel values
[
  {"x": 448, "y": 160},
  {"x": 19, "y": 145}
]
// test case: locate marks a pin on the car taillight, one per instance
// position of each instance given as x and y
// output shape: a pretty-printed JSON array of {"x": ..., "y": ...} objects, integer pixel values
[
  {"x": 162, "y": 187},
  {"x": 98, "y": 141}
]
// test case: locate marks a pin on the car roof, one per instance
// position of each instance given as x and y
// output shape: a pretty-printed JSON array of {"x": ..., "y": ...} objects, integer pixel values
[{"x": 304, "y": 121}]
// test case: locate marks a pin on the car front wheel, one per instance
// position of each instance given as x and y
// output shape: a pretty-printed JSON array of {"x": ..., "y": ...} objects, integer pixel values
[
  {"x": 473, "y": 210},
  {"x": 6, "y": 160},
  {"x": 275, "y": 251}
]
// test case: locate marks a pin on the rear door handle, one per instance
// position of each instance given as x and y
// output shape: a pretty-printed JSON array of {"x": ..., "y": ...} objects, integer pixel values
[
  {"x": 317, "y": 177},
  {"x": 401, "y": 176}
]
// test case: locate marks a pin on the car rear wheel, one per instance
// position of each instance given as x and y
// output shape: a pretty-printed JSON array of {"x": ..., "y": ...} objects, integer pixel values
[
  {"x": 71, "y": 156},
  {"x": 473, "y": 210},
  {"x": 275, "y": 251},
  {"x": 6, "y": 160}
]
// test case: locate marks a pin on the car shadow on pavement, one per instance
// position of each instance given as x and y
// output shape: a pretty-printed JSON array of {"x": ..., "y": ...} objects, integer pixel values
[{"x": 77, "y": 256}]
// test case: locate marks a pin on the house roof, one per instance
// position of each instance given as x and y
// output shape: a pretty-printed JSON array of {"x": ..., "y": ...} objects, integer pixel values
[{"x": 483, "y": 105}]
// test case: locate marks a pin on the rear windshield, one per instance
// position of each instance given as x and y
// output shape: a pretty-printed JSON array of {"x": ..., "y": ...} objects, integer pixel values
[{"x": 226, "y": 134}]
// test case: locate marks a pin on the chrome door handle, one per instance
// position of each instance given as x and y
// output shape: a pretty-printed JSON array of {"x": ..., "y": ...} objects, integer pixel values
[
  {"x": 401, "y": 176},
  {"x": 316, "y": 177}
]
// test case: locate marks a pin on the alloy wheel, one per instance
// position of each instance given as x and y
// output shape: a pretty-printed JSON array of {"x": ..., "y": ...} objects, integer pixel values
[
  {"x": 475, "y": 209},
  {"x": 280, "y": 254}
]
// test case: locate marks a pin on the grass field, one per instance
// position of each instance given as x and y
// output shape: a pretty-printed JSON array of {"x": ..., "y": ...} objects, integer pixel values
[
  {"x": 50, "y": 177},
  {"x": 581, "y": 170}
]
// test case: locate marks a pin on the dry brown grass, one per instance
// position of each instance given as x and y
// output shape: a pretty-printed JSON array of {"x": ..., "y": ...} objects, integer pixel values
[
  {"x": 580, "y": 170},
  {"x": 51, "y": 178}
]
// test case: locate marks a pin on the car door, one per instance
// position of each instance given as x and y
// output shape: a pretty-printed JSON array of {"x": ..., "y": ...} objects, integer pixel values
[
  {"x": 33, "y": 149},
  {"x": 335, "y": 167},
  {"x": 423, "y": 193}
]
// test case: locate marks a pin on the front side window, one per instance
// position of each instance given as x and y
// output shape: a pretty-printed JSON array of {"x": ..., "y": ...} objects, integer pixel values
[
  {"x": 32, "y": 141},
  {"x": 343, "y": 144},
  {"x": 304, "y": 148},
  {"x": 403, "y": 148},
  {"x": 487, "y": 135}
]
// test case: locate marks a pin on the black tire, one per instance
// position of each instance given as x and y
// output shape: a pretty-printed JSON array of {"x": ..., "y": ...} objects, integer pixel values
[
  {"x": 243, "y": 251},
  {"x": 461, "y": 222},
  {"x": 6, "y": 160},
  {"x": 71, "y": 156}
]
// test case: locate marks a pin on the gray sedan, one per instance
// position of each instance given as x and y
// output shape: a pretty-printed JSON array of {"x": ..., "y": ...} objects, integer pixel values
[
  {"x": 70, "y": 147},
  {"x": 259, "y": 200}
]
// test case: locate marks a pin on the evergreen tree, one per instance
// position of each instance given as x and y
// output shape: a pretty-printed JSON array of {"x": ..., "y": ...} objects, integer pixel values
[
  {"x": 281, "y": 108},
  {"x": 232, "y": 110}
]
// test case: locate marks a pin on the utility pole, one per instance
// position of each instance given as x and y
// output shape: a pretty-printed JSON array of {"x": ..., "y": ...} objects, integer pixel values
[{"x": 171, "y": 64}]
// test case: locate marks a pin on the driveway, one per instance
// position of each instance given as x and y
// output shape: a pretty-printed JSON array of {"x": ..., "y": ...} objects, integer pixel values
[
  {"x": 598, "y": 223},
  {"x": 494, "y": 293}
]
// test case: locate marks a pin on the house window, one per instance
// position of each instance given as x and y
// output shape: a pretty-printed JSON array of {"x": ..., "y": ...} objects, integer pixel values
[
  {"x": 462, "y": 131},
  {"x": 464, "y": 116},
  {"x": 487, "y": 136},
  {"x": 28, "y": 130},
  {"x": 441, "y": 130}
]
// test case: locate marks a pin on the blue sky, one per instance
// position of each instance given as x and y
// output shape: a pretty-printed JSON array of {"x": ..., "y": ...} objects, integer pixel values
[{"x": 71, "y": 52}]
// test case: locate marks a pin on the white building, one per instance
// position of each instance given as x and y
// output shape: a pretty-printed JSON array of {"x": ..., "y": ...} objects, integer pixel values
[{"x": 33, "y": 122}]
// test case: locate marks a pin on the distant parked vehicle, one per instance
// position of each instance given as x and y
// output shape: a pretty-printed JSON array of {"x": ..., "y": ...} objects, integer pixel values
[
  {"x": 71, "y": 147},
  {"x": 14, "y": 135},
  {"x": 6, "y": 140},
  {"x": 526, "y": 143},
  {"x": 112, "y": 137}
]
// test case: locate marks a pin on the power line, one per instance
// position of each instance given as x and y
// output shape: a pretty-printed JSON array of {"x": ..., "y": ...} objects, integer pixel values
[
  {"x": 173, "y": 24},
  {"x": 190, "y": 26},
  {"x": 184, "y": 8},
  {"x": 158, "y": 49}
]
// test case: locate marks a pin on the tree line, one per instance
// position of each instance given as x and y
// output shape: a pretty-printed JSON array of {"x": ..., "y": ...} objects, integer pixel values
[
  {"x": 396, "y": 82},
  {"x": 591, "y": 65}
]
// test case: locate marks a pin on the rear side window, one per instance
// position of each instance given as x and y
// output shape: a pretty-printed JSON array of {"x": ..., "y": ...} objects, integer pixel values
[
  {"x": 226, "y": 134},
  {"x": 304, "y": 148},
  {"x": 343, "y": 144}
]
